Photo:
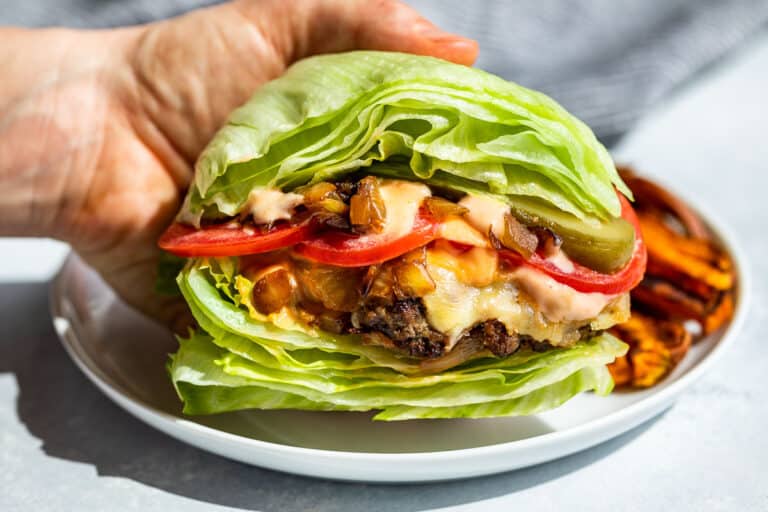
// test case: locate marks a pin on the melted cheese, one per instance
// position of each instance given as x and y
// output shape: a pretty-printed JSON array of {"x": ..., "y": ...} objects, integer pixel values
[
  {"x": 475, "y": 266},
  {"x": 485, "y": 213},
  {"x": 525, "y": 302},
  {"x": 267, "y": 205},
  {"x": 459, "y": 230},
  {"x": 454, "y": 306},
  {"x": 402, "y": 200}
]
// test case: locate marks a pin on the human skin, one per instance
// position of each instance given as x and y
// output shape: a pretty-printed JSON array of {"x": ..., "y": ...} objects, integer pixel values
[{"x": 99, "y": 130}]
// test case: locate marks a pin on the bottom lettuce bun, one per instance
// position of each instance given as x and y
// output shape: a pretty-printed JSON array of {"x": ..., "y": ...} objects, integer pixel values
[
  {"x": 234, "y": 362},
  {"x": 377, "y": 231}
]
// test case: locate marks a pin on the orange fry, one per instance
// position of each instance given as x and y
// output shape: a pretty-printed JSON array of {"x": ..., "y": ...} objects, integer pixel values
[
  {"x": 656, "y": 346},
  {"x": 672, "y": 302},
  {"x": 689, "y": 277},
  {"x": 721, "y": 313},
  {"x": 700, "y": 248},
  {"x": 646, "y": 191},
  {"x": 663, "y": 272},
  {"x": 663, "y": 247},
  {"x": 621, "y": 371}
]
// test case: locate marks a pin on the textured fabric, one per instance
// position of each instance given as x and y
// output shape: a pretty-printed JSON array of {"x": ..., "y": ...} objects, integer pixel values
[
  {"x": 91, "y": 13},
  {"x": 607, "y": 61}
]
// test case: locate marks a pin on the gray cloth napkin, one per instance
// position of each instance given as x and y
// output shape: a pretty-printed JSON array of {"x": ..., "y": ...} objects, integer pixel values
[{"x": 606, "y": 61}]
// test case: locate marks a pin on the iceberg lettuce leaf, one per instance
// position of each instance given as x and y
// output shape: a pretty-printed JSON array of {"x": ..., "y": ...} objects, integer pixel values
[
  {"x": 238, "y": 361},
  {"x": 329, "y": 115},
  {"x": 210, "y": 379}
]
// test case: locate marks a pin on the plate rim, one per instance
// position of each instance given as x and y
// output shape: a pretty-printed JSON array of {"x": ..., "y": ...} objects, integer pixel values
[{"x": 631, "y": 415}]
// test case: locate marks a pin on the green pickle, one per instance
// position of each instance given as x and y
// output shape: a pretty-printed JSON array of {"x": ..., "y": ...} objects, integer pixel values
[{"x": 603, "y": 246}]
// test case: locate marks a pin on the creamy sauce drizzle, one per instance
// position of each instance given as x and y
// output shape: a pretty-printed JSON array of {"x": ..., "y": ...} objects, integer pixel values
[
  {"x": 485, "y": 213},
  {"x": 561, "y": 261},
  {"x": 402, "y": 200},
  {"x": 267, "y": 205},
  {"x": 558, "y": 302}
]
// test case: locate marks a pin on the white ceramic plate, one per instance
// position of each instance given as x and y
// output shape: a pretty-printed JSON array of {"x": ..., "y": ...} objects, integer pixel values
[{"x": 124, "y": 355}]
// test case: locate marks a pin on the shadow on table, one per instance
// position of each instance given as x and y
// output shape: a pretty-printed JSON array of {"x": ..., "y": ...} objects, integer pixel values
[{"x": 76, "y": 422}]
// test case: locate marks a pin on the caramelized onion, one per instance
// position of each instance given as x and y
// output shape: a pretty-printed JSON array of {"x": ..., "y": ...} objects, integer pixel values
[
  {"x": 516, "y": 236},
  {"x": 440, "y": 208},
  {"x": 333, "y": 205},
  {"x": 330, "y": 321},
  {"x": 331, "y": 220},
  {"x": 273, "y": 290},
  {"x": 324, "y": 198},
  {"x": 549, "y": 241},
  {"x": 317, "y": 192},
  {"x": 380, "y": 283},
  {"x": 378, "y": 339},
  {"x": 495, "y": 242},
  {"x": 336, "y": 288},
  {"x": 411, "y": 278},
  {"x": 462, "y": 352},
  {"x": 346, "y": 189},
  {"x": 367, "y": 211}
]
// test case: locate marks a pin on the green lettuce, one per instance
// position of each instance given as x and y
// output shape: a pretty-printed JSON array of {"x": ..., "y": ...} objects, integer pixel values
[
  {"x": 239, "y": 361},
  {"x": 400, "y": 116},
  {"x": 444, "y": 123}
]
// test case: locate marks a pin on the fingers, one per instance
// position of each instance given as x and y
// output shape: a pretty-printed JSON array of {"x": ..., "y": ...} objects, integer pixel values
[
  {"x": 301, "y": 28},
  {"x": 393, "y": 26},
  {"x": 131, "y": 270}
]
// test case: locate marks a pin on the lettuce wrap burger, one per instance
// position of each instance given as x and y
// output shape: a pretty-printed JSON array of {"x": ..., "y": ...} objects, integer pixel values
[{"x": 389, "y": 232}]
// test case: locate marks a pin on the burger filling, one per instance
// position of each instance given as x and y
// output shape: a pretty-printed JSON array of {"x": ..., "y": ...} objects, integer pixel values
[{"x": 444, "y": 301}]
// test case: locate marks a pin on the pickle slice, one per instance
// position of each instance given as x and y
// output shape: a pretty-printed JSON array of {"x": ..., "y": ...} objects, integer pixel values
[{"x": 605, "y": 246}]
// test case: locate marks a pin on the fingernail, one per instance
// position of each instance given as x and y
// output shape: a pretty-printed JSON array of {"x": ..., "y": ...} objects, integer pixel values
[
  {"x": 450, "y": 46},
  {"x": 433, "y": 33},
  {"x": 456, "y": 49},
  {"x": 429, "y": 30},
  {"x": 450, "y": 39}
]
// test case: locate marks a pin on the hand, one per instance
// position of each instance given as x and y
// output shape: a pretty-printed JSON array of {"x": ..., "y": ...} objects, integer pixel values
[{"x": 99, "y": 130}]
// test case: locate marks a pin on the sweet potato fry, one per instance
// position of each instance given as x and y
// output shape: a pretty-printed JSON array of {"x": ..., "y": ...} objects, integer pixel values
[
  {"x": 686, "y": 255},
  {"x": 682, "y": 280},
  {"x": 621, "y": 371},
  {"x": 698, "y": 248},
  {"x": 721, "y": 313},
  {"x": 646, "y": 191},
  {"x": 655, "y": 347},
  {"x": 669, "y": 301},
  {"x": 688, "y": 277}
]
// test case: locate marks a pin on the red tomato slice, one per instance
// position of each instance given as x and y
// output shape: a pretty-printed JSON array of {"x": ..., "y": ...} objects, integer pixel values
[
  {"x": 223, "y": 240},
  {"x": 345, "y": 250},
  {"x": 587, "y": 280}
]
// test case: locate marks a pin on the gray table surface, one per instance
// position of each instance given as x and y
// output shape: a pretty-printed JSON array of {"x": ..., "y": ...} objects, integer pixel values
[{"x": 64, "y": 446}]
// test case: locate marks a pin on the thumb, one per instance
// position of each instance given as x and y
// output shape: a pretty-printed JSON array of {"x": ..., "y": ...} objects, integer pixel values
[{"x": 327, "y": 26}]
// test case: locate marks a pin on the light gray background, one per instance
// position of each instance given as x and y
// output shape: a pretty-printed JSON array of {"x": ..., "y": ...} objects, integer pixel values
[
  {"x": 64, "y": 446},
  {"x": 605, "y": 61}
]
